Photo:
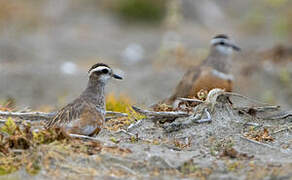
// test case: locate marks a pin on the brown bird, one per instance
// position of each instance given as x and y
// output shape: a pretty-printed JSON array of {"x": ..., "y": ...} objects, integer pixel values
[
  {"x": 86, "y": 114},
  {"x": 212, "y": 73}
]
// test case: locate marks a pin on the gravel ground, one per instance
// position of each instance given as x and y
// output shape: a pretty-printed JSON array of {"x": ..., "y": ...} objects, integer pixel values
[{"x": 213, "y": 150}]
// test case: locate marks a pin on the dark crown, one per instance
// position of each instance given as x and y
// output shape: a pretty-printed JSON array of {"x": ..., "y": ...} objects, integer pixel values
[
  {"x": 97, "y": 65},
  {"x": 222, "y": 36}
]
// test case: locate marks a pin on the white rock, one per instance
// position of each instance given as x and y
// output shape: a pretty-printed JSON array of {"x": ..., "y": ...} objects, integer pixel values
[
  {"x": 68, "y": 68},
  {"x": 133, "y": 53}
]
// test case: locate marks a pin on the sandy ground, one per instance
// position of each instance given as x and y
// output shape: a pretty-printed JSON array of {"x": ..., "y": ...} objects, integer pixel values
[
  {"x": 31, "y": 72},
  {"x": 216, "y": 150}
]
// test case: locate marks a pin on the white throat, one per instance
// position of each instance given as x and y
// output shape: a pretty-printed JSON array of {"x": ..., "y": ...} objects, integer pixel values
[
  {"x": 222, "y": 75},
  {"x": 224, "y": 49}
]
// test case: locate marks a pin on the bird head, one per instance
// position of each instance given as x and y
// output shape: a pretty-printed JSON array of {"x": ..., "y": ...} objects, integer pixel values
[
  {"x": 223, "y": 44},
  {"x": 101, "y": 72}
]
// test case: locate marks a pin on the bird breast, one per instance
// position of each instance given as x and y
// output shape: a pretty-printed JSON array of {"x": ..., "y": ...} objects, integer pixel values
[{"x": 81, "y": 127}]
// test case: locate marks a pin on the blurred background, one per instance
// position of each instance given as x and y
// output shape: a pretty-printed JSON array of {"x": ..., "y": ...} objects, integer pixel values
[{"x": 47, "y": 46}]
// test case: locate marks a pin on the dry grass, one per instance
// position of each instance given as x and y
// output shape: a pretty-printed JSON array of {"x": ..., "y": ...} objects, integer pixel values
[
  {"x": 262, "y": 135},
  {"x": 121, "y": 104}
]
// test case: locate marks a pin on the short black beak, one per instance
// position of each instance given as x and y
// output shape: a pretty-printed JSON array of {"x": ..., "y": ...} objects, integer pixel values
[
  {"x": 236, "y": 48},
  {"x": 117, "y": 76}
]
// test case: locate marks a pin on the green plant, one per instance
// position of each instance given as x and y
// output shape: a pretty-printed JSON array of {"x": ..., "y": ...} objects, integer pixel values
[{"x": 142, "y": 10}]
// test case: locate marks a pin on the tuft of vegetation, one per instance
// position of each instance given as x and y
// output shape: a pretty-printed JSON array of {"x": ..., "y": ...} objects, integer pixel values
[
  {"x": 192, "y": 169},
  {"x": 182, "y": 145},
  {"x": 122, "y": 104},
  {"x": 23, "y": 147},
  {"x": 141, "y": 10},
  {"x": 18, "y": 145},
  {"x": 188, "y": 167},
  {"x": 275, "y": 3},
  {"x": 261, "y": 135},
  {"x": 219, "y": 146},
  {"x": 118, "y": 104},
  {"x": 9, "y": 126},
  {"x": 8, "y": 104},
  {"x": 234, "y": 166}
]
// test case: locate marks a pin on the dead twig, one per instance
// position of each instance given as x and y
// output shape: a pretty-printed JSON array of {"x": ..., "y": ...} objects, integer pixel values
[
  {"x": 288, "y": 128},
  {"x": 83, "y": 137},
  {"x": 244, "y": 97},
  {"x": 42, "y": 115},
  {"x": 104, "y": 142},
  {"x": 175, "y": 126},
  {"x": 19, "y": 151},
  {"x": 258, "y": 143},
  {"x": 252, "y": 124},
  {"x": 134, "y": 125},
  {"x": 191, "y": 100},
  {"x": 208, "y": 119},
  {"x": 28, "y": 115},
  {"x": 281, "y": 115},
  {"x": 126, "y": 132},
  {"x": 258, "y": 108},
  {"x": 108, "y": 118},
  {"x": 116, "y": 114},
  {"x": 167, "y": 114},
  {"x": 18, "y": 122}
]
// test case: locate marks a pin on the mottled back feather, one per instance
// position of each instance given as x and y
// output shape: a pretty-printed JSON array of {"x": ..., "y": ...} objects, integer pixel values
[
  {"x": 79, "y": 110},
  {"x": 185, "y": 85}
]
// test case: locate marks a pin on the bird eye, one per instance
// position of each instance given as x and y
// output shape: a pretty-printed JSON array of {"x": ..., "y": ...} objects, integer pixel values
[
  {"x": 222, "y": 43},
  {"x": 105, "y": 71}
]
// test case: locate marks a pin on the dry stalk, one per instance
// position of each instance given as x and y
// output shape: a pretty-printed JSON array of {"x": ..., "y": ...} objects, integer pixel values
[
  {"x": 41, "y": 115},
  {"x": 288, "y": 128},
  {"x": 169, "y": 114},
  {"x": 257, "y": 108},
  {"x": 258, "y": 143},
  {"x": 279, "y": 116},
  {"x": 27, "y": 115},
  {"x": 191, "y": 100}
]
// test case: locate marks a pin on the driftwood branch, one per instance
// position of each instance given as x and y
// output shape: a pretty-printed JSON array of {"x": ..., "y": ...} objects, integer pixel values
[
  {"x": 281, "y": 115},
  {"x": 191, "y": 100},
  {"x": 42, "y": 115},
  {"x": 83, "y": 137},
  {"x": 168, "y": 114},
  {"x": 257, "y": 108},
  {"x": 96, "y": 139},
  {"x": 218, "y": 92},
  {"x": 111, "y": 115},
  {"x": 16, "y": 121},
  {"x": 244, "y": 97},
  {"x": 252, "y": 124},
  {"x": 126, "y": 132},
  {"x": 208, "y": 119},
  {"x": 175, "y": 126},
  {"x": 134, "y": 125},
  {"x": 28, "y": 115},
  {"x": 258, "y": 143},
  {"x": 288, "y": 128},
  {"x": 116, "y": 114}
]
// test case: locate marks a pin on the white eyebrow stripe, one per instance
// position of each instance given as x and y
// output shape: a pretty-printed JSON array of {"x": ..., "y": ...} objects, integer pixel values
[
  {"x": 217, "y": 40},
  {"x": 99, "y": 68}
]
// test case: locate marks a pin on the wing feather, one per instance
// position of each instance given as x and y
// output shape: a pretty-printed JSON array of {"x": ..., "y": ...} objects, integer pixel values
[
  {"x": 67, "y": 114},
  {"x": 185, "y": 85}
]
